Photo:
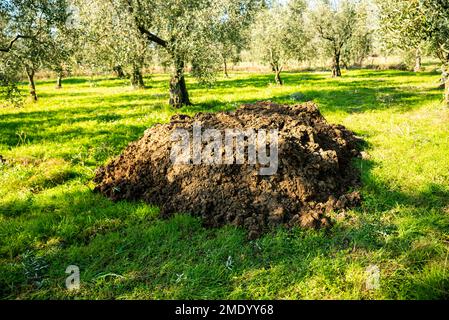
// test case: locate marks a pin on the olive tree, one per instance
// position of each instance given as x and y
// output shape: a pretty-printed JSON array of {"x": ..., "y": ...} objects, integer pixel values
[
  {"x": 232, "y": 30},
  {"x": 402, "y": 27},
  {"x": 184, "y": 31},
  {"x": 9, "y": 69},
  {"x": 278, "y": 36},
  {"x": 110, "y": 41},
  {"x": 335, "y": 25},
  {"x": 62, "y": 57},
  {"x": 417, "y": 21},
  {"x": 436, "y": 28},
  {"x": 31, "y": 25},
  {"x": 361, "y": 43},
  {"x": 9, "y": 36},
  {"x": 9, "y": 76},
  {"x": 8, "y": 89}
]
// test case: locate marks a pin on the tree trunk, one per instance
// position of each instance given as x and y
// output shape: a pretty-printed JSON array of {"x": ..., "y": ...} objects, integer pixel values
[
  {"x": 137, "y": 78},
  {"x": 445, "y": 80},
  {"x": 361, "y": 59},
  {"x": 31, "y": 85},
  {"x": 277, "y": 72},
  {"x": 59, "y": 80},
  {"x": 178, "y": 90},
  {"x": 119, "y": 72},
  {"x": 446, "y": 93},
  {"x": 417, "y": 67},
  {"x": 225, "y": 68},
  {"x": 277, "y": 77},
  {"x": 336, "y": 71}
]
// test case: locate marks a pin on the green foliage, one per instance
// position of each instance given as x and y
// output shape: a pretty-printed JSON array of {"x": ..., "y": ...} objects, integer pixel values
[
  {"x": 361, "y": 43},
  {"x": 335, "y": 24},
  {"x": 9, "y": 93},
  {"x": 188, "y": 31},
  {"x": 278, "y": 35},
  {"x": 416, "y": 21},
  {"x": 436, "y": 27},
  {"x": 401, "y": 23},
  {"x": 401, "y": 29},
  {"x": 269, "y": 36},
  {"x": 34, "y": 22},
  {"x": 410, "y": 23},
  {"x": 109, "y": 39},
  {"x": 34, "y": 25},
  {"x": 341, "y": 30},
  {"x": 232, "y": 30}
]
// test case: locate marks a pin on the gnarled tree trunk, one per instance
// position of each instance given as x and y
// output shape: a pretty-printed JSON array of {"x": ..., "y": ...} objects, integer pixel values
[
  {"x": 59, "y": 80},
  {"x": 445, "y": 83},
  {"x": 336, "y": 70},
  {"x": 118, "y": 70},
  {"x": 225, "y": 68},
  {"x": 446, "y": 93},
  {"x": 417, "y": 67},
  {"x": 31, "y": 85},
  {"x": 137, "y": 78},
  {"x": 277, "y": 77},
  {"x": 277, "y": 73},
  {"x": 178, "y": 90}
]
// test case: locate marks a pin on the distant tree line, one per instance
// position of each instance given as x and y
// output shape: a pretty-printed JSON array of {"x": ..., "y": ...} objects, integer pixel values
[{"x": 203, "y": 37}]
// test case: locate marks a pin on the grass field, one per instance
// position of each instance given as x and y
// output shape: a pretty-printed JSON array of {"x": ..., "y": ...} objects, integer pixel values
[{"x": 50, "y": 218}]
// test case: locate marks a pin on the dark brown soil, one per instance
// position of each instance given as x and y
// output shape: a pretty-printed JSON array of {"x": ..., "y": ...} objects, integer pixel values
[{"x": 315, "y": 174}]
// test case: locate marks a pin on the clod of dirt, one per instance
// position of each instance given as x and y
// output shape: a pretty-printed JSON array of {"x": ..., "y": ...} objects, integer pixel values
[{"x": 315, "y": 175}]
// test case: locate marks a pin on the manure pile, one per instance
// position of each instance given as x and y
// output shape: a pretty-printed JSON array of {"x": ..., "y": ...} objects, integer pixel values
[{"x": 315, "y": 174}]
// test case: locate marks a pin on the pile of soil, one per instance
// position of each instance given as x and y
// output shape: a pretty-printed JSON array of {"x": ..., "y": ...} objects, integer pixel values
[{"x": 315, "y": 174}]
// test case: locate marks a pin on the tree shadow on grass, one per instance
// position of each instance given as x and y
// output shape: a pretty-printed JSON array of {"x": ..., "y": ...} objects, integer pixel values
[
  {"x": 39, "y": 131},
  {"x": 371, "y": 73},
  {"x": 69, "y": 81},
  {"x": 352, "y": 99},
  {"x": 41, "y": 126},
  {"x": 261, "y": 81},
  {"x": 336, "y": 95},
  {"x": 356, "y": 99}
]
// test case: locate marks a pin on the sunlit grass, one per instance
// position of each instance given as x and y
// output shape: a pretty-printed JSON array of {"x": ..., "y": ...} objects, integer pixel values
[{"x": 49, "y": 215}]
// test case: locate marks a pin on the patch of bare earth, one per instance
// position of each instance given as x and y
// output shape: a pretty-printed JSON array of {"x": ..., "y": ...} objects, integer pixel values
[{"x": 315, "y": 174}]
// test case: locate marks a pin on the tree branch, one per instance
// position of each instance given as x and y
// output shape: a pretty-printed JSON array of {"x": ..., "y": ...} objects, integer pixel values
[
  {"x": 443, "y": 48},
  {"x": 323, "y": 35},
  {"x": 150, "y": 36},
  {"x": 11, "y": 43}
]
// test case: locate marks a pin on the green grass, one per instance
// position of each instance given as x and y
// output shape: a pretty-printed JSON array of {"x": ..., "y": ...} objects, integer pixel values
[{"x": 50, "y": 218}]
